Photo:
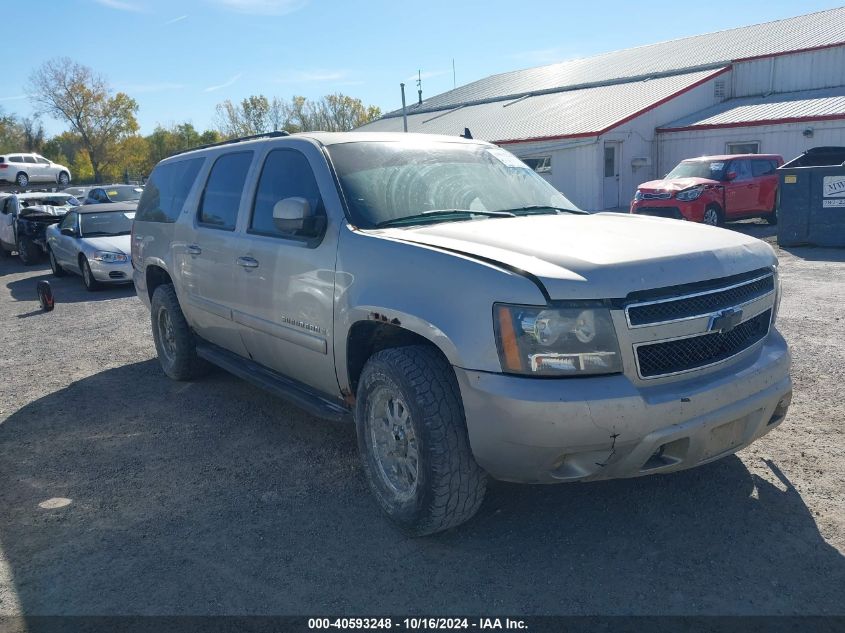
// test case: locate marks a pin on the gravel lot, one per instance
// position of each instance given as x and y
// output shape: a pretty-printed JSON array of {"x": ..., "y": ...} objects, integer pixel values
[{"x": 213, "y": 497}]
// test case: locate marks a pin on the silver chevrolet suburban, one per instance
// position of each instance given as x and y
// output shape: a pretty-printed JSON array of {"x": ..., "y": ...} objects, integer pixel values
[{"x": 469, "y": 318}]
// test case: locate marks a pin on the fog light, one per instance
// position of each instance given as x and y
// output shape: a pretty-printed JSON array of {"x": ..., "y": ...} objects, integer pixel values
[{"x": 781, "y": 409}]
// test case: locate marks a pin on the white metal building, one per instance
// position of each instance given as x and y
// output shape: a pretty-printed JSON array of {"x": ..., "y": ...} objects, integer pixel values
[{"x": 597, "y": 127}]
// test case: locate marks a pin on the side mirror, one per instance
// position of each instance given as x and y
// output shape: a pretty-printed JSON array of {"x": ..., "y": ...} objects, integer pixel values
[
  {"x": 731, "y": 175},
  {"x": 295, "y": 215},
  {"x": 69, "y": 232}
]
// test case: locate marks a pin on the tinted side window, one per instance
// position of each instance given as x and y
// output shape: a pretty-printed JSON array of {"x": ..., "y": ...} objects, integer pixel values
[
  {"x": 15, "y": 159},
  {"x": 286, "y": 174},
  {"x": 29, "y": 159},
  {"x": 222, "y": 194},
  {"x": 763, "y": 167},
  {"x": 68, "y": 222},
  {"x": 742, "y": 169},
  {"x": 166, "y": 190}
]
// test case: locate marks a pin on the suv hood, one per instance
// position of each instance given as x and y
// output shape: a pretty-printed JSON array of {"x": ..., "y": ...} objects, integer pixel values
[
  {"x": 598, "y": 256},
  {"x": 675, "y": 184}
]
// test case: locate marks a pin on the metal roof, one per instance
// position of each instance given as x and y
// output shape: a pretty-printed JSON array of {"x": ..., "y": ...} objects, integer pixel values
[
  {"x": 585, "y": 112},
  {"x": 807, "y": 105},
  {"x": 814, "y": 30}
]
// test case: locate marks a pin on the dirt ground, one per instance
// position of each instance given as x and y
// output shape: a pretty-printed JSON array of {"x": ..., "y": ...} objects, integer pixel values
[{"x": 215, "y": 498}]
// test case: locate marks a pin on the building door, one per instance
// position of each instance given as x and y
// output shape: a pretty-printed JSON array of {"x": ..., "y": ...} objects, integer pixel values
[{"x": 612, "y": 151}]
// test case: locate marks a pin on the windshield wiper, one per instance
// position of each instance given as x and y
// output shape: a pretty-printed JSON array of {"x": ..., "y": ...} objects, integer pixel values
[
  {"x": 542, "y": 209},
  {"x": 445, "y": 213}
]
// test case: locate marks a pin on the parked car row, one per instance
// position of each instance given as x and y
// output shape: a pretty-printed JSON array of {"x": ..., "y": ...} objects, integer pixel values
[{"x": 88, "y": 237}]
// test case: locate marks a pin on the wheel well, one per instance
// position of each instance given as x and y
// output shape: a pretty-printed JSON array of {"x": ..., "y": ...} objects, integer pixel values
[
  {"x": 369, "y": 337},
  {"x": 156, "y": 276}
]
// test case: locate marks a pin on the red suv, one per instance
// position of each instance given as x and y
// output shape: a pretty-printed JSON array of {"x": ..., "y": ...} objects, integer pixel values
[{"x": 713, "y": 189}]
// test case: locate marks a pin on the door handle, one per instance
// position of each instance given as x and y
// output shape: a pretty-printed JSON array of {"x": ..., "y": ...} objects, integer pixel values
[
  {"x": 247, "y": 262},
  {"x": 193, "y": 249}
]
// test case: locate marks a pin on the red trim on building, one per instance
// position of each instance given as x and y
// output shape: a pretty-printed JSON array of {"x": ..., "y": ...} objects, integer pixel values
[
  {"x": 792, "y": 52},
  {"x": 630, "y": 117},
  {"x": 757, "y": 123}
]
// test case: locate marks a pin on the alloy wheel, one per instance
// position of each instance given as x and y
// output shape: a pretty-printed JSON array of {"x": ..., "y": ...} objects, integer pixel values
[{"x": 394, "y": 443}]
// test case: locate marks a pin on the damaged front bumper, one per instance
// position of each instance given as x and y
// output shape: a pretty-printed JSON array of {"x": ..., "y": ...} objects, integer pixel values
[{"x": 534, "y": 430}]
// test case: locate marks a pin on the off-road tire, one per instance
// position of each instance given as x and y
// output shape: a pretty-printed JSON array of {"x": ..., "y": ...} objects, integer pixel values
[
  {"x": 182, "y": 363},
  {"x": 28, "y": 251},
  {"x": 57, "y": 269},
  {"x": 91, "y": 284},
  {"x": 450, "y": 485}
]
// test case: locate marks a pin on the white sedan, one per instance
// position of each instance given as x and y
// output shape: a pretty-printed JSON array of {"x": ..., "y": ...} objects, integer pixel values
[{"x": 94, "y": 242}]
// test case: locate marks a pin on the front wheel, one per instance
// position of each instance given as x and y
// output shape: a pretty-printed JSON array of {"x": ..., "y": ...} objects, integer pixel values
[
  {"x": 64, "y": 179},
  {"x": 22, "y": 180},
  {"x": 91, "y": 284},
  {"x": 713, "y": 216},
  {"x": 28, "y": 251},
  {"x": 58, "y": 271},
  {"x": 173, "y": 338},
  {"x": 413, "y": 441},
  {"x": 771, "y": 218}
]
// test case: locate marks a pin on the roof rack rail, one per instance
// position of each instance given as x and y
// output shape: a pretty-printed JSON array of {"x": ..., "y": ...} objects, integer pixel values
[{"x": 275, "y": 134}]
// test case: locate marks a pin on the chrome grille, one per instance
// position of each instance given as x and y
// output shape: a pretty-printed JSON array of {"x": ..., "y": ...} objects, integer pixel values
[
  {"x": 695, "y": 352},
  {"x": 700, "y": 304}
]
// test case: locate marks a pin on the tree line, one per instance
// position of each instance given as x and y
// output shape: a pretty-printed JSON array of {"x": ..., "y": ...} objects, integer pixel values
[{"x": 102, "y": 142}]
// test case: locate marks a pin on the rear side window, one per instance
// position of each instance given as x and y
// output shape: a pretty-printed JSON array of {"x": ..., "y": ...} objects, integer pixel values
[
  {"x": 15, "y": 159},
  {"x": 763, "y": 167},
  {"x": 29, "y": 159},
  {"x": 222, "y": 195},
  {"x": 167, "y": 189},
  {"x": 286, "y": 174}
]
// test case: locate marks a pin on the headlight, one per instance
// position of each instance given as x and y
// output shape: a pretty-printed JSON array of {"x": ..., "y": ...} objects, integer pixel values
[
  {"x": 778, "y": 294},
  {"x": 638, "y": 196},
  {"x": 690, "y": 194},
  {"x": 109, "y": 258},
  {"x": 565, "y": 341}
]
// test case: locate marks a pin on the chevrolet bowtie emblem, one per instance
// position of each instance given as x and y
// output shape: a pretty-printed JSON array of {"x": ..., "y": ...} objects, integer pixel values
[{"x": 725, "y": 320}]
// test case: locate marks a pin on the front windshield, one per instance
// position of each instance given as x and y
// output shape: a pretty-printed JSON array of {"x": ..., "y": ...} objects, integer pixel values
[
  {"x": 125, "y": 194},
  {"x": 386, "y": 181},
  {"x": 108, "y": 223},
  {"x": 712, "y": 169}
]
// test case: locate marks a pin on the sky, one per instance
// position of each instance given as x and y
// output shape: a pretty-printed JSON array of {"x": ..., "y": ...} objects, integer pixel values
[{"x": 179, "y": 58}]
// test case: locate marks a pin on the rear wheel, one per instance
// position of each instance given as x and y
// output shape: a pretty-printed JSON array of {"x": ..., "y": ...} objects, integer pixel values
[
  {"x": 173, "y": 338},
  {"x": 713, "y": 215},
  {"x": 21, "y": 180},
  {"x": 91, "y": 284},
  {"x": 64, "y": 179},
  {"x": 28, "y": 251},
  {"x": 58, "y": 271},
  {"x": 413, "y": 441}
]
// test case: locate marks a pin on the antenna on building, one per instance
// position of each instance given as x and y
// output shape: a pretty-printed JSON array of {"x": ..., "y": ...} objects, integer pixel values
[
  {"x": 419, "y": 86},
  {"x": 454, "y": 82}
]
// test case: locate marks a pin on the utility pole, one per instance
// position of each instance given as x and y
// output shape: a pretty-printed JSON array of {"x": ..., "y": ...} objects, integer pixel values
[{"x": 404, "y": 112}]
